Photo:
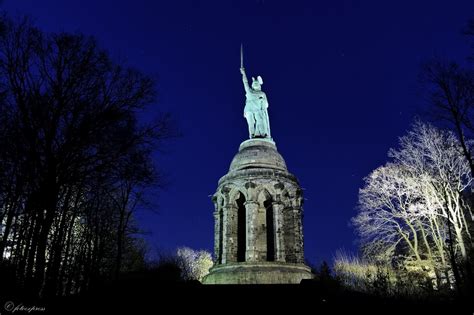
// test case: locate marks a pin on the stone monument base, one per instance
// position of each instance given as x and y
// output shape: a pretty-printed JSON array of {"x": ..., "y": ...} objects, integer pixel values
[{"x": 258, "y": 273}]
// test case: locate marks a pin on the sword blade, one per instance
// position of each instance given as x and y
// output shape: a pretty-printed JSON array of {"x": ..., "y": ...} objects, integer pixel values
[{"x": 241, "y": 56}]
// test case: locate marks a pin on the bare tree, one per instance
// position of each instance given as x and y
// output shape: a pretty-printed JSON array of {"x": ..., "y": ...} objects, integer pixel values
[
  {"x": 417, "y": 199},
  {"x": 451, "y": 90},
  {"x": 388, "y": 212},
  {"x": 74, "y": 160},
  {"x": 194, "y": 264},
  {"x": 436, "y": 154},
  {"x": 450, "y": 87}
]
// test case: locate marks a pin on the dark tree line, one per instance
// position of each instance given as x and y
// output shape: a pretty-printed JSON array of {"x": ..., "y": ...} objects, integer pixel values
[{"x": 74, "y": 160}]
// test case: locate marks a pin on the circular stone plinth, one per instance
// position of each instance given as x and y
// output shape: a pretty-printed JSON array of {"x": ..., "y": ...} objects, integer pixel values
[
  {"x": 258, "y": 153},
  {"x": 258, "y": 273}
]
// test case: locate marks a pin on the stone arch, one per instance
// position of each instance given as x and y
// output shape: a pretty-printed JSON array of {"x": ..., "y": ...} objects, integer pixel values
[
  {"x": 263, "y": 195},
  {"x": 267, "y": 220},
  {"x": 241, "y": 227},
  {"x": 283, "y": 193},
  {"x": 219, "y": 200},
  {"x": 229, "y": 192},
  {"x": 234, "y": 194},
  {"x": 285, "y": 197},
  {"x": 236, "y": 221},
  {"x": 296, "y": 197},
  {"x": 267, "y": 191},
  {"x": 232, "y": 235}
]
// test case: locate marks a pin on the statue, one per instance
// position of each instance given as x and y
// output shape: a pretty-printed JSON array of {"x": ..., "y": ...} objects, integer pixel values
[{"x": 256, "y": 105}]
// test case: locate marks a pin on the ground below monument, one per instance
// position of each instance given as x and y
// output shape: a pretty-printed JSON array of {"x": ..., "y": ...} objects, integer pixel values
[{"x": 144, "y": 296}]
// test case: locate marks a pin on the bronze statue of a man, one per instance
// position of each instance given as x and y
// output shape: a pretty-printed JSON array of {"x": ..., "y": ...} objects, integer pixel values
[{"x": 256, "y": 106}]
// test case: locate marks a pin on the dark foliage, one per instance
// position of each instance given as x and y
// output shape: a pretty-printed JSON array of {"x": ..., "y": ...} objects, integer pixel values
[{"x": 75, "y": 161}]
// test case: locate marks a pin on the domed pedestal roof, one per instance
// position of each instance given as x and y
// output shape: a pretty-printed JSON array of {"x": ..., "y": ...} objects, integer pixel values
[
  {"x": 258, "y": 153},
  {"x": 258, "y": 230}
]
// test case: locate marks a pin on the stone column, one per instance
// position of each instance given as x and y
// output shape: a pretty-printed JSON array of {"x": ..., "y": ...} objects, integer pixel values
[
  {"x": 217, "y": 237},
  {"x": 251, "y": 209},
  {"x": 261, "y": 233},
  {"x": 298, "y": 235},
  {"x": 278, "y": 231},
  {"x": 229, "y": 241}
]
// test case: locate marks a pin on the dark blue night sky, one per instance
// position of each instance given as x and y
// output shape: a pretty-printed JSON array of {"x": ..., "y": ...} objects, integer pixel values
[{"x": 341, "y": 78}]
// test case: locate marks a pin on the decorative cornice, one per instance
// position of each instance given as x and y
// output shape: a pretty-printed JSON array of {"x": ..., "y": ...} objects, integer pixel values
[{"x": 254, "y": 173}]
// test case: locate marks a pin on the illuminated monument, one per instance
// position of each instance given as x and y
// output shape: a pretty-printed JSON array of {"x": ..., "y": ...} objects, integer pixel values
[{"x": 258, "y": 208}]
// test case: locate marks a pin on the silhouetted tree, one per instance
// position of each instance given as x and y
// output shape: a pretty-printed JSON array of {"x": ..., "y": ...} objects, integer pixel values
[
  {"x": 451, "y": 90},
  {"x": 324, "y": 272},
  {"x": 75, "y": 160}
]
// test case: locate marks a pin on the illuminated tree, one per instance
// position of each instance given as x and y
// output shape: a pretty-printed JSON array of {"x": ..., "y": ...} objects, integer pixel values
[
  {"x": 450, "y": 88},
  {"x": 434, "y": 157},
  {"x": 416, "y": 201},
  {"x": 387, "y": 214},
  {"x": 194, "y": 264}
]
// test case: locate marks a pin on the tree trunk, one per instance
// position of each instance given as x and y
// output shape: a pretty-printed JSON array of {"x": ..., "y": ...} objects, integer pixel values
[
  {"x": 120, "y": 236},
  {"x": 7, "y": 228},
  {"x": 452, "y": 255},
  {"x": 52, "y": 276},
  {"x": 49, "y": 200},
  {"x": 466, "y": 152}
]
